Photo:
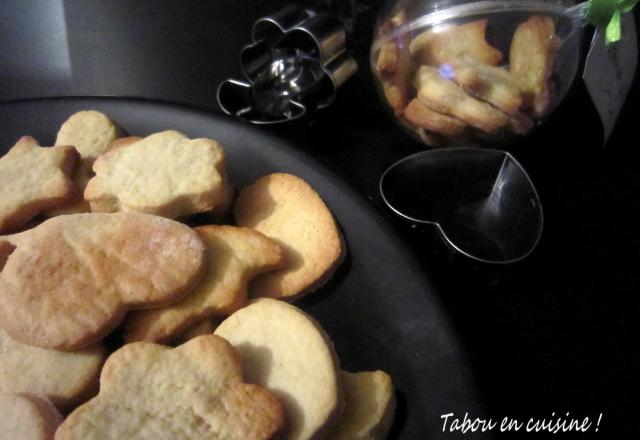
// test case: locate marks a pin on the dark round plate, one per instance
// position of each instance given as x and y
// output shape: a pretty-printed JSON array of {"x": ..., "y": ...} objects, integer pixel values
[{"x": 380, "y": 309}]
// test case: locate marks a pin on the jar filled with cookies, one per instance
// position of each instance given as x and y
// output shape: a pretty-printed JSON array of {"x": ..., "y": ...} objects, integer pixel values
[{"x": 475, "y": 73}]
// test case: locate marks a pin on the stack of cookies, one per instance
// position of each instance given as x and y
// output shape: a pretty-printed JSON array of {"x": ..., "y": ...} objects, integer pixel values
[
  {"x": 99, "y": 265},
  {"x": 449, "y": 85}
]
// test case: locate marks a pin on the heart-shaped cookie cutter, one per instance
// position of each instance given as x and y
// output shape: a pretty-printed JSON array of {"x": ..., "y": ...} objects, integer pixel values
[
  {"x": 481, "y": 201},
  {"x": 294, "y": 66}
]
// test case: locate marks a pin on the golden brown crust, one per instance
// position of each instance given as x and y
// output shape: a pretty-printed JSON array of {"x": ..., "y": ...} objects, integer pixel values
[
  {"x": 387, "y": 59},
  {"x": 494, "y": 85},
  {"x": 444, "y": 96},
  {"x": 531, "y": 57},
  {"x": 433, "y": 48},
  {"x": 33, "y": 179},
  {"x": 422, "y": 116},
  {"x": 393, "y": 65},
  {"x": 396, "y": 96},
  {"x": 285, "y": 208},
  {"x": 70, "y": 280},
  {"x": 194, "y": 391},
  {"x": 235, "y": 256}
]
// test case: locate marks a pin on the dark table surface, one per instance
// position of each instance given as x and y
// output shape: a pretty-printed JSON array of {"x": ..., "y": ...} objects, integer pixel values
[{"x": 557, "y": 332}]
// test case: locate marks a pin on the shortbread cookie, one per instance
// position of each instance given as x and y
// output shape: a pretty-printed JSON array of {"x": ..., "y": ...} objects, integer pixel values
[
  {"x": 286, "y": 351},
  {"x": 369, "y": 409},
  {"x": 33, "y": 179},
  {"x": 285, "y": 208},
  {"x": 65, "y": 378},
  {"x": 389, "y": 54},
  {"x": 531, "y": 58},
  {"x": 90, "y": 132},
  {"x": 27, "y": 417},
  {"x": 435, "y": 47},
  {"x": 494, "y": 85},
  {"x": 387, "y": 59},
  {"x": 235, "y": 255},
  {"x": 69, "y": 281},
  {"x": 445, "y": 96},
  {"x": 195, "y": 391},
  {"x": 422, "y": 116},
  {"x": 82, "y": 176},
  {"x": 219, "y": 213},
  {"x": 394, "y": 65},
  {"x": 395, "y": 95},
  {"x": 165, "y": 174}
]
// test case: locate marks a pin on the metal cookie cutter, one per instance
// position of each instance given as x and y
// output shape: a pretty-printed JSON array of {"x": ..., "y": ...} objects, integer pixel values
[
  {"x": 481, "y": 202},
  {"x": 297, "y": 61}
]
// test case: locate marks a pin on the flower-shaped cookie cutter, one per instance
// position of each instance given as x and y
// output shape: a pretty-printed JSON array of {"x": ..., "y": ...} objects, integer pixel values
[{"x": 294, "y": 66}]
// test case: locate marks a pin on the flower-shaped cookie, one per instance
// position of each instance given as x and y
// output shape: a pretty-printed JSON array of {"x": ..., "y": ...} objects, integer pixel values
[{"x": 194, "y": 391}]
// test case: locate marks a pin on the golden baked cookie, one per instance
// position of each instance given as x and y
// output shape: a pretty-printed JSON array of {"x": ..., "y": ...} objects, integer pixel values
[
  {"x": 193, "y": 392},
  {"x": 286, "y": 351},
  {"x": 532, "y": 54},
  {"x": 65, "y": 378},
  {"x": 393, "y": 65},
  {"x": 222, "y": 209},
  {"x": 27, "y": 417},
  {"x": 33, "y": 179},
  {"x": 369, "y": 409},
  {"x": 69, "y": 281},
  {"x": 387, "y": 59},
  {"x": 422, "y": 116},
  {"x": 445, "y": 96},
  {"x": 494, "y": 85},
  {"x": 165, "y": 174},
  {"x": 90, "y": 132},
  {"x": 285, "y": 208},
  {"x": 235, "y": 255},
  {"x": 435, "y": 47}
]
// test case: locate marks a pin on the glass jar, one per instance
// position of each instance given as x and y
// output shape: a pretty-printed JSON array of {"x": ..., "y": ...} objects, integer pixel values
[{"x": 475, "y": 73}]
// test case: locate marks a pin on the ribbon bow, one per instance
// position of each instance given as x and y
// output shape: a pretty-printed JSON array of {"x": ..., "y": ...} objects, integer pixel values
[{"x": 607, "y": 14}]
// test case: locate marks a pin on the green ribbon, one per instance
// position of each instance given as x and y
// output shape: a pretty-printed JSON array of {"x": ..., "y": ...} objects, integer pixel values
[{"x": 607, "y": 14}]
